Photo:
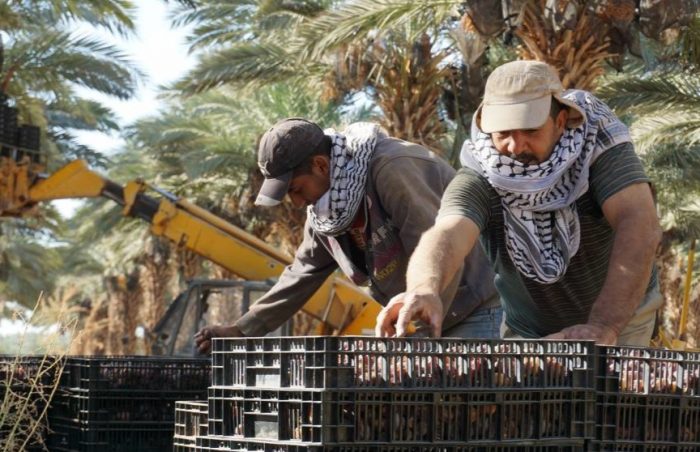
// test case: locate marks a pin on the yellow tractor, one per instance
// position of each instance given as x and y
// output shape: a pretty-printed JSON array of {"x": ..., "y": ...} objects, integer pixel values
[{"x": 341, "y": 307}]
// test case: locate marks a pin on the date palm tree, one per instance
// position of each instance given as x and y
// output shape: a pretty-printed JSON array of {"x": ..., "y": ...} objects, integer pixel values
[
  {"x": 660, "y": 100},
  {"x": 41, "y": 64}
]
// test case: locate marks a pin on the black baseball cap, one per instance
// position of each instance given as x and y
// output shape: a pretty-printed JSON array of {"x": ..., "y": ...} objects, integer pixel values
[{"x": 282, "y": 148}]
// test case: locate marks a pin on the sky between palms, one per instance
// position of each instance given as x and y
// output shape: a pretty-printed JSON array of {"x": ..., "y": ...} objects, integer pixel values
[{"x": 160, "y": 52}]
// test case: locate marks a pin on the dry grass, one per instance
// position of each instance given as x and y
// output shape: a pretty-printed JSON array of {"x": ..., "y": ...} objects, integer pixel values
[{"x": 28, "y": 383}]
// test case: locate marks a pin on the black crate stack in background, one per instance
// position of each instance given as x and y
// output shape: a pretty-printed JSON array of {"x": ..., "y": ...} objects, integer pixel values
[
  {"x": 362, "y": 393},
  {"x": 124, "y": 403},
  {"x": 8, "y": 126},
  {"x": 17, "y": 141}
]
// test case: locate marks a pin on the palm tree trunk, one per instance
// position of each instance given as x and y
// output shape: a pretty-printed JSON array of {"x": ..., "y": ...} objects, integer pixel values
[
  {"x": 123, "y": 313},
  {"x": 156, "y": 276}
]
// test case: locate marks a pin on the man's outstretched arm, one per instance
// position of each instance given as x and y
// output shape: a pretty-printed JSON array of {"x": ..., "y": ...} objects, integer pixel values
[
  {"x": 632, "y": 215},
  {"x": 439, "y": 255}
]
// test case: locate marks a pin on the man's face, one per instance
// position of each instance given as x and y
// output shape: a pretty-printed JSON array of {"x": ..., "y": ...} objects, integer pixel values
[
  {"x": 306, "y": 188},
  {"x": 531, "y": 146}
]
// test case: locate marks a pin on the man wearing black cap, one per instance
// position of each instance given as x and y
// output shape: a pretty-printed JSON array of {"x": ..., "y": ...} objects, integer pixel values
[{"x": 369, "y": 197}]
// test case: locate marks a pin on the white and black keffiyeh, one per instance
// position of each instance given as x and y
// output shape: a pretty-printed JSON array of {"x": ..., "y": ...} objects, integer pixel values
[
  {"x": 539, "y": 201},
  {"x": 351, "y": 153}
]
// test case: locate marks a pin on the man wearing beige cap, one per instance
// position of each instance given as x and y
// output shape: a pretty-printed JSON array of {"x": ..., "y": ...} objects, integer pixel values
[
  {"x": 369, "y": 197},
  {"x": 552, "y": 187}
]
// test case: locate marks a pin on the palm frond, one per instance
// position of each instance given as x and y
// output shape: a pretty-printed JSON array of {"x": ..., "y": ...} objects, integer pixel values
[
  {"x": 685, "y": 221},
  {"x": 666, "y": 128},
  {"x": 303, "y": 8},
  {"x": 360, "y": 18},
  {"x": 44, "y": 60},
  {"x": 113, "y": 15},
  {"x": 659, "y": 92},
  {"x": 279, "y": 16},
  {"x": 240, "y": 65},
  {"x": 684, "y": 161},
  {"x": 70, "y": 148},
  {"x": 81, "y": 114},
  {"x": 217, "y": 22},
  {"x": 211, "y": 11},
  {"x": 22, "y": 259}
]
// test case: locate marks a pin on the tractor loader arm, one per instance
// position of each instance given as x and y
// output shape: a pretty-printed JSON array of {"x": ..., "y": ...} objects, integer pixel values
[{"x": 341, "y": 306}]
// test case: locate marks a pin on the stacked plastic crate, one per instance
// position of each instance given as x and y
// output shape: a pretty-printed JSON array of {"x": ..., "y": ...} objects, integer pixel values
[
  {"x": 360, "y": 393},
  {"x": 123, "y": 403},
  {"x": 17, "y": 141},
  {"x": 8, "y": 127},
  {"x": 648, "y": 400}
]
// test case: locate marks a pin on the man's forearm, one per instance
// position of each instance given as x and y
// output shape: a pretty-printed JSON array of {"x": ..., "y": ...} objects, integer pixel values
[
  {"x": 628, "y": 274},
  {"x": 437, "y": 257},
  {"x": 424, "y": 272}
]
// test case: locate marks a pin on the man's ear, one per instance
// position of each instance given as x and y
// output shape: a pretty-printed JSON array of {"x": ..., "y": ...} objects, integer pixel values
[
  {"x": 321, "y": 164},
  {"x": 562, "y": 119}
]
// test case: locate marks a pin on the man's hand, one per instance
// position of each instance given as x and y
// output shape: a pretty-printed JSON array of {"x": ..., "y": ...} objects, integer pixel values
[
  {"x": 407, "y": 306},
  {"x": 203, "y": 337},
  {"x": 588, "y": 332}
]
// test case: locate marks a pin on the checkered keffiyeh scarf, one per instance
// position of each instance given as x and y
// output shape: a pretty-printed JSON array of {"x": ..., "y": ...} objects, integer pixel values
[
  {"x": 351, "y": 153},
  {"x": 539, "y": 201}
]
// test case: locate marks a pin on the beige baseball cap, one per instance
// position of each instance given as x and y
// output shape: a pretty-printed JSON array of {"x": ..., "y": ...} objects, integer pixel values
[{"x": 518, "y": 95}]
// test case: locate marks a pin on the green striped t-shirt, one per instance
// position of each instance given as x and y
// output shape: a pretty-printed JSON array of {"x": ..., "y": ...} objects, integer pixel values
[{"x": 533, "y": 309}]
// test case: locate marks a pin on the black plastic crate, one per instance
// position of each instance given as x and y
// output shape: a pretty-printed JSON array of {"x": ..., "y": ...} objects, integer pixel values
[
  {"x": 123, "y": 403},
  {"x": 71, "y": 436},
  {"x": 649, "y": 418},
  {"x": 648, "y": 399},
  {"x": 363, "y": 362},
  {"x": 8, "y": 125},
  {"x": 648, "y": 371},
  {"x": 222, "y": 444},
  {"x": 137, "y": 373},
  {"x": 104, "y": 406},
  {"x": 29, "y": 137},
  {"x": 41, "y": 371},
  {"x": 190, "y": 421},
  {"x": 621, "y": 446},
  {"x": 332, "y": 417}
]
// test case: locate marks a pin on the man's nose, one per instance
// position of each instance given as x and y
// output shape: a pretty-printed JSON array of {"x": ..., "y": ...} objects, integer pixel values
[{"x": 517, "y": 144}]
